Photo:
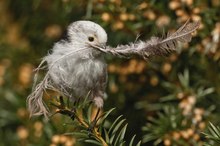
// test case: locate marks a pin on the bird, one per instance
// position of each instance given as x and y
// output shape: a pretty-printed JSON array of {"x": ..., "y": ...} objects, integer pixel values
[{"x": 76, "y": 66}]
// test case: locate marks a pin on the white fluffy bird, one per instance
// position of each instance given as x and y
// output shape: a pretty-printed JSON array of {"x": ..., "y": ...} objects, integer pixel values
[{"x": 76, "y": 66}]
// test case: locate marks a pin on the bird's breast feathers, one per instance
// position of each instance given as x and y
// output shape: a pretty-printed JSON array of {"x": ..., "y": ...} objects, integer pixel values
[{"x": 79, "y": 74}]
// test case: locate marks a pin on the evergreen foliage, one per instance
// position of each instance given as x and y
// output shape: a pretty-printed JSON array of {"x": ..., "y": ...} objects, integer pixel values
[{"x": 167, "y": 101}]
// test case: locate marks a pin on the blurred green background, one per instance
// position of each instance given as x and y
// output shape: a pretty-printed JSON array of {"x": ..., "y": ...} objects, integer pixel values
[{"x": 166, "y": 101}]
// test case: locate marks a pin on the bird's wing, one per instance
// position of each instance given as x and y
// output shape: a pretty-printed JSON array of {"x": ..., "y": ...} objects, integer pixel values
[
  {"x": 103, "y": 79},
  {"x": 155, "y": 46}
]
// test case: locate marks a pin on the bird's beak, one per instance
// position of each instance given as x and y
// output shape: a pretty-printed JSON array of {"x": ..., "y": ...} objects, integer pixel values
[{"x": 102, "y": 45}]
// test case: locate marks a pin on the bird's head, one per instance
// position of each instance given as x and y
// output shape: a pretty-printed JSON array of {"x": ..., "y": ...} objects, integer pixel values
[{"x": 87, "y": 34}]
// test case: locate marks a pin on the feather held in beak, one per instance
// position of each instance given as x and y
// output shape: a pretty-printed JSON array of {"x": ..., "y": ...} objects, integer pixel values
[{"x": 155, "y": 45}]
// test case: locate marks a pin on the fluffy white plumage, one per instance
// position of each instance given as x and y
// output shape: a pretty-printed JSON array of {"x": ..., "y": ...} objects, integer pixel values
[
  {"x": 76, "y": 66},
  {"x": 85, "y": 69}
]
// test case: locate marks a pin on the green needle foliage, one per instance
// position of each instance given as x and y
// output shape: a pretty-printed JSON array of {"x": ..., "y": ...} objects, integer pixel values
[
  {"x": 213, "y": 135},
  {"x": 168, "y": 101},
  {"x": 94, "y": 131},
  {"x": 178, "y": 117},
  {"x": 157, "y": 128}
]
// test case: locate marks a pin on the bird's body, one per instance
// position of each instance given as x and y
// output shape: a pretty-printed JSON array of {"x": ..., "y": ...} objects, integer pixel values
[
  {"x": 78, "y": 74},
  {"x": 83, "y": 70}
]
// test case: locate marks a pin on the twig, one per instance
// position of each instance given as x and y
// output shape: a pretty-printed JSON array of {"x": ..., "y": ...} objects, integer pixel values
[{"x": 75, "y": 116}]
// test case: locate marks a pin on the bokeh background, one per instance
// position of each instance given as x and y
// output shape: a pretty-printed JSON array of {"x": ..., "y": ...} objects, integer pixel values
[{"x": 166, "y": 100}]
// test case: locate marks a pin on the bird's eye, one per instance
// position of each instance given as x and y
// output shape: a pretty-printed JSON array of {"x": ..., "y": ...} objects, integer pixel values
[{"x": 91, "y": 39}]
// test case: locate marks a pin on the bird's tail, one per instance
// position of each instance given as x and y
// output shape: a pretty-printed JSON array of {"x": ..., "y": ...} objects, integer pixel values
[{"x": 35, "y": 103}]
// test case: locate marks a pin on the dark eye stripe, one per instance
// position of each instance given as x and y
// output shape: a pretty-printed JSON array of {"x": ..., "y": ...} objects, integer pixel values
[{"x": 64, "y": 36}]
